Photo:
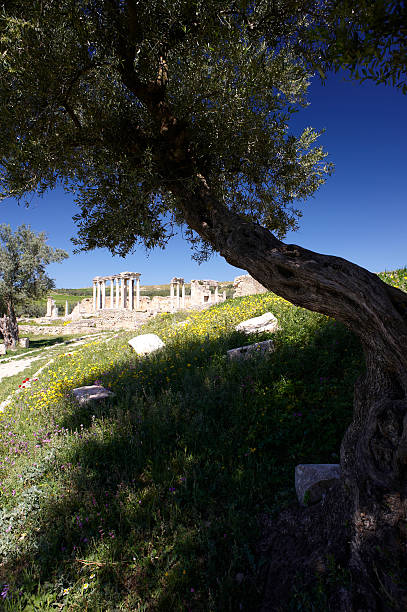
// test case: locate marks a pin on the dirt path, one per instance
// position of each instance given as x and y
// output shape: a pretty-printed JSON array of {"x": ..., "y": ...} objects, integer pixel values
[
  {"x": 10, "y": 369},
  {"x": 17, "y": 365}
]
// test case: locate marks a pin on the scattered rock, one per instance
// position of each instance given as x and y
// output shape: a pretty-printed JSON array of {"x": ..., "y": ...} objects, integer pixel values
[
  {"x": 83, "y": 395},
  {"x": 182, "y": 323},
  {"x": 3, "y": 350},
  {"x": 252, "y": 350},
  {"x": 146, "y": 343},
  {"x": 25, "y": 342},
  {"x": 265, "y": 323},
  {"x": 312, "y": 480}
]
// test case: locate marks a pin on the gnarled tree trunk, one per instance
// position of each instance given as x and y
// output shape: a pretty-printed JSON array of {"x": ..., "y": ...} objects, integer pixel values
[
  {"x": 9, "y": 327},
  {"x": 374, "y": 449}
]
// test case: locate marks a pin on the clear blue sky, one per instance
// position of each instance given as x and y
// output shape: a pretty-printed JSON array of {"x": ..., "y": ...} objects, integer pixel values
[{"x": 359, "y": 214}]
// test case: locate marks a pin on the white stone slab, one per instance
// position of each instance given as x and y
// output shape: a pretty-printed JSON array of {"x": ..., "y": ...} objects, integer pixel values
[
  {"x": 312, "y": 480},
  {"x": 24, "y": 342},
  {"x": 265, "y": 323},
  {"x": 146, "y": 343},
  {"x": 252, "y": 350},
  {"x": 83, "y": 395},
  {"x": 3, "y": 350}
]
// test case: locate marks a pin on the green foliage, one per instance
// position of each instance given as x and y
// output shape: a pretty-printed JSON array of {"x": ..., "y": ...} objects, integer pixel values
[
  {"x": 78, "y": 109},
  {"x": 123, "y": 103},
  {"x": 369, "y": 38},
  {"x": 23, "y": 258},
  {"x": 79, "y": 293},
  {"x": 151, "y": 500}
]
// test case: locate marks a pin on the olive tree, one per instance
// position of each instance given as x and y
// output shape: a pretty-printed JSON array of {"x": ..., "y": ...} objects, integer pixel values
[
  {"x": 23, "y": 257},
  {"x": 176, "y": 112}
]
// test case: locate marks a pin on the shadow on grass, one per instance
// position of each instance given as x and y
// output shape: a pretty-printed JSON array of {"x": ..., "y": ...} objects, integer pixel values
[
  {"x": 45, "y": 342},
  {"x": 152, "y": 502}
]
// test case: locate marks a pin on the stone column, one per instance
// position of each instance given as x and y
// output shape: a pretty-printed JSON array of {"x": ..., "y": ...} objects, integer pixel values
[
  {"x": 224, "y": 295},
  {"x": 183, "y": 295},
  {"x": 178, "y": 301},
  {"x": 103, "y": 294},
  {"x": 172, "y": 295},
  {"x": 111, "y": 293},
  {"x": 216, "y": 295},
  {"x": 98, "y": 295},
  {"x": 117, "y": 293},
  {"x": 66, "y": 308},
  {"x": 122, "y": 292},
  {"x": 49, "y": 307},
  {"x": 131, "y": 290},
  {"x": 94, "y": 296},
  {"x": 137, "y": 294}
]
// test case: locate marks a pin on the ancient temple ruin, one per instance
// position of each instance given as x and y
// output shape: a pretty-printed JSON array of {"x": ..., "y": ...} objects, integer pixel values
[
  {"x": 201, "y": 292},
  {"x": 177, "y": 300},
  {"x": 121, "y": 292},
  {"x": 122, "y": 288}
]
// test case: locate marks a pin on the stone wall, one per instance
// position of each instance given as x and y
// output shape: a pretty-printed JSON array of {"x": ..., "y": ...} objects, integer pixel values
[
  {"x": 247, "y": 285},
  {"x": 204, "y": 292}
]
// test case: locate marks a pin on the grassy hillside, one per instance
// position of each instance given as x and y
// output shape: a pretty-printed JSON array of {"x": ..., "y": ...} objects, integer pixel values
[{"x": 151, "y": 500}]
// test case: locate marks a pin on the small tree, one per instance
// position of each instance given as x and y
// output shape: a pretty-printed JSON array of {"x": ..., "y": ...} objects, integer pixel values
[{"x": 23, "y": 257}]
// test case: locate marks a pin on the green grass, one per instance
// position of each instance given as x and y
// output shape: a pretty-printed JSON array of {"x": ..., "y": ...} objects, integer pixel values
[{"x": 151, "y": 500}]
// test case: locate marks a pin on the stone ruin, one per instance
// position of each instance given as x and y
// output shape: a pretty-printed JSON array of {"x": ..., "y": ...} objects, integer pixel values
[
  {"x": 52, "y": 309},
  {"x": 117, "y": 304},
  {"x": 201, "y": 292},
  {"x": 124, "y": 291},
  {"x": 177, "y": 300},
  {"x": 117, "y": 296},
  {"x": 247, "y": 285}
]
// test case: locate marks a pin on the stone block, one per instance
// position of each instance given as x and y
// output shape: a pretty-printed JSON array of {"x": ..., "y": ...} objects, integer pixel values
[
  {"x": 265, "y": 323},
  {"x": 146, "y": 343},
  {"x": 247, "y": 285},
  {"x": 312, "y": 481},
  {"x": 24, "y": 342},
  {"x": 258, "y": 349},
  {"x": 3, "y": 350},
  {"x": 83, "y": 395}
]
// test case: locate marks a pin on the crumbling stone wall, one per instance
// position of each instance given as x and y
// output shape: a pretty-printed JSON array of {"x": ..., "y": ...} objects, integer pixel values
[
  {"x": 247, "y": 285},
  {"x": 201, "y": 292}
]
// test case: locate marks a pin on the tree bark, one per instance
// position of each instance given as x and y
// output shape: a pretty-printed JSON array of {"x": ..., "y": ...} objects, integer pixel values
[
  {"x": 9, "y": 327},
  {"x": 374, "y": 449}
]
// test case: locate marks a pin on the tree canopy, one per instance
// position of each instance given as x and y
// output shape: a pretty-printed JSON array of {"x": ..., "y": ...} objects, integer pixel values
[
  {"x": 23, "y": 258},
  {"x": 110, "y": 98},
  {"x": 121, "y": 101}
]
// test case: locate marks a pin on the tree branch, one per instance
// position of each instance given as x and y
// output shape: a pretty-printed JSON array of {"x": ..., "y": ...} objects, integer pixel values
[{"x": 375, "y": 311}]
